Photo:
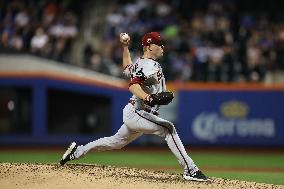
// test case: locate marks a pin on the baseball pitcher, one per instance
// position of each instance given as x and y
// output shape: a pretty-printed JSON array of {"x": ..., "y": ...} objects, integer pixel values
[{"x": 140, "y": 115}]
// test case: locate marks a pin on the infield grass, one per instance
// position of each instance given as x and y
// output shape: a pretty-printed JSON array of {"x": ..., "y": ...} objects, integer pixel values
[{"x": 262, "y": 168}]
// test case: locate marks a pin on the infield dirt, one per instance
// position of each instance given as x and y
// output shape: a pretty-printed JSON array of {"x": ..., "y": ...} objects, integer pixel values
[{"x": 76, "y": 176}]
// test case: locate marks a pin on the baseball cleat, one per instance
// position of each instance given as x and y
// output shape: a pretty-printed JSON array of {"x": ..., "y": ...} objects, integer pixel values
[
  {"x": 69, "y": 154},
  {"x": 196, "y": 176}
]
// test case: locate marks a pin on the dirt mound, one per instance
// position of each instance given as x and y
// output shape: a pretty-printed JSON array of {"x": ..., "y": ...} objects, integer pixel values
[{"x": 34, "y": 176}]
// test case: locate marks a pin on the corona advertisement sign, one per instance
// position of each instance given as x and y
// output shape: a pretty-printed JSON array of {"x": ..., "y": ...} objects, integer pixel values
[{"x": 232, "y": 117}]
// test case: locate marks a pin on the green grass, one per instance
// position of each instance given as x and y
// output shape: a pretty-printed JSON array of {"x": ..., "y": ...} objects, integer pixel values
[
  {"x": 237, "y": 160},
  {"x": 261, "y": 177},
  {"x": 166, "y": 159}
]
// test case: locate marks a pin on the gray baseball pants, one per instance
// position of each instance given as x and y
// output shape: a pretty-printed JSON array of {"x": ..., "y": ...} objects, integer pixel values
[{"x": 137, "y": 123}]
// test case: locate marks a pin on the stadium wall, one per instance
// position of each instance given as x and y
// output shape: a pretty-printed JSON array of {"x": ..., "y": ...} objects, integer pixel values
[
  {"x": 232, "y": 115},
  {"x": 66, "y": 106}
]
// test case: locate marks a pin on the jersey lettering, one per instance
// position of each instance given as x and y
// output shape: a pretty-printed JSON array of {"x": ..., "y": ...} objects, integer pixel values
[{"x": 159, "y": 75}]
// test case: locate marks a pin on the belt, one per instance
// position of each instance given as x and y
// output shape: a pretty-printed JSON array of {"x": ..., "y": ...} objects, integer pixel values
[
  {"x": 131, "y": 102},
  {"x": 145, "y": 109}
]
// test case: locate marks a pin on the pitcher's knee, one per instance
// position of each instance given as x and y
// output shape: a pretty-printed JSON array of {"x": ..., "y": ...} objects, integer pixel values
[
  {"x": 119, "y": 145},
  {"x": 118, "y": 142},
  {"x": 170, "y": 128}
]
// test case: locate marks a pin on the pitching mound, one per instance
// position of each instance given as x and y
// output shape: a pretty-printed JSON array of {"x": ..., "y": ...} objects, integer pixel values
[{"x": 34, "y": 176}]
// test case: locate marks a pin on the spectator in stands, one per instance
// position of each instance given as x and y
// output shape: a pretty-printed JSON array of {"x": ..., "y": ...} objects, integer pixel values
[
  {"x": 39, "y": 42},
  {"x": 23, "y": 26},
  {"x": 206, "y": 40},
  {"x": 16, "y": 41},
  {"x": 22, "y": 18},
  {"x": 208, "y": 45},
  {"x": 49, "y": 13}
]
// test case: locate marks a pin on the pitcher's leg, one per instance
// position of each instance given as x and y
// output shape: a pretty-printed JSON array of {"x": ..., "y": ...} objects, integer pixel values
[
  {"x": 179, "y": 151},
  {"x": 151, "y": 124},
  {"x": 123, "y": 137}
]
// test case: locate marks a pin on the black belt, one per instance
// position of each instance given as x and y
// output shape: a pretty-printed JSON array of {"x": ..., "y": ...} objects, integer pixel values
[
  {"x": 145, "y": 109},
  {"x": 131, "y": 102}
]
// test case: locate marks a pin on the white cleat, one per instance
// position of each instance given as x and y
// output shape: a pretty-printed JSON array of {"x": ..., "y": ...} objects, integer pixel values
[
  {"x": 196, "y": 176},
  {"x": 69, "y": 154}
]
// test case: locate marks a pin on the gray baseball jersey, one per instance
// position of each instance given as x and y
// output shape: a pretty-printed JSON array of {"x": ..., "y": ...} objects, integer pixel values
[
  {"x": 151, "y": 79},
  {"x": 140, "y": 119}
]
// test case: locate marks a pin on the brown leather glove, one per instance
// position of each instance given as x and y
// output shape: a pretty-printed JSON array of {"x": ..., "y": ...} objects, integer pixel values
[{"x": 162, "y": 98}]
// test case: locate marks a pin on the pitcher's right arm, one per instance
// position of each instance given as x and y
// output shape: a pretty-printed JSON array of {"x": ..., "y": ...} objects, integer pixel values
[
  {"x": 138, "y": 91},
  {"x": 126, "y": 58}
]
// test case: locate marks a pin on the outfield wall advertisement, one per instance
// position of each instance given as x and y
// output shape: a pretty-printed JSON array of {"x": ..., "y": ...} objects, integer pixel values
[
  {"x": 48, "y": 110},
  {"x": 231, "y": 117}
]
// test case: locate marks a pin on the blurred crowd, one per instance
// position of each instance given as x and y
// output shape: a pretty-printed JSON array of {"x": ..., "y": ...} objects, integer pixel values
[
  {"x": 208, "y": 40},
  {"x": 204, "y": 40},
  {"x": 43, "y": 27}
]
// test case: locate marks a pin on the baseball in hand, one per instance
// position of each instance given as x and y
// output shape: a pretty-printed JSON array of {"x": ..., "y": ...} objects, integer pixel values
[{"x": 124, "y": 37}]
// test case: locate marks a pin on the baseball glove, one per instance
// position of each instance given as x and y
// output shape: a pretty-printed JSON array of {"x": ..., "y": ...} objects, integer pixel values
[{"x": 162, "y": 98}]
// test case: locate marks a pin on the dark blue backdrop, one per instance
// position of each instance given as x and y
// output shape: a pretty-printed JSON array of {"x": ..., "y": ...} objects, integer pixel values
[
  {"x": 231, "y": 117},
  {"x": 204, "y": 117},
  {"x": 39, "y": 87}
]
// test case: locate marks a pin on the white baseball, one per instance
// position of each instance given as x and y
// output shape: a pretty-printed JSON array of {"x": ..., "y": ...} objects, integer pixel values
[{"x": 124, "y": 37}]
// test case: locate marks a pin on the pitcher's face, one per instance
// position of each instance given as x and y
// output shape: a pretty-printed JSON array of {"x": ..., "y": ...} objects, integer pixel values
[{"x": 157, "y": 50}]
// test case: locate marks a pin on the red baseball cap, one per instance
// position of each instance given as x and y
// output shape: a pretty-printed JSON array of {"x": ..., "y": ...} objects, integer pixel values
[{"x": 151, "y": 38}]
